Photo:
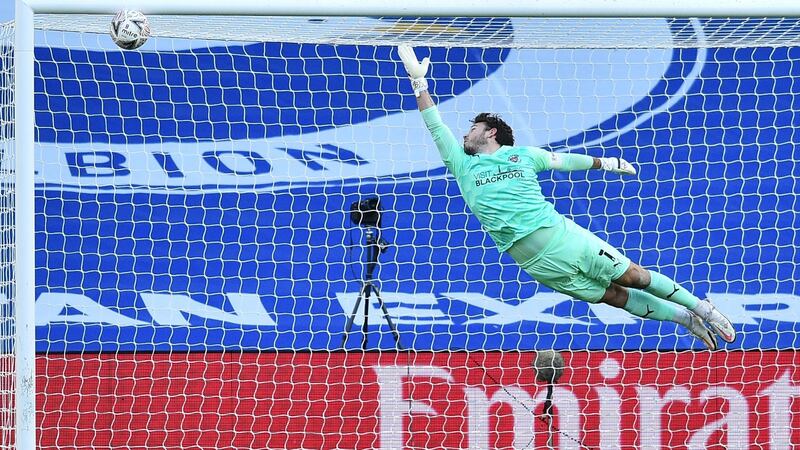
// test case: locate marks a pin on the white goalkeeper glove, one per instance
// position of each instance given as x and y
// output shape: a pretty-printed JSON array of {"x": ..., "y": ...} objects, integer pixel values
[
  {"x": 617, "y": 165},
  {"x": 416, "y": 69}
]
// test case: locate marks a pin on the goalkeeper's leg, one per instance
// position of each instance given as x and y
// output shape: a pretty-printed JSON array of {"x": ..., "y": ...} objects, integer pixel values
[
  {"x": 572, "y": 260},
  {"x": 647, "y": 306},
  {"x": 665, "y": 288}
]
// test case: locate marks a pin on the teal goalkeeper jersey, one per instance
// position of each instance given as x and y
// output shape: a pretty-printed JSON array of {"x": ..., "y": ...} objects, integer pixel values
[{"x": 501, "y": 189}]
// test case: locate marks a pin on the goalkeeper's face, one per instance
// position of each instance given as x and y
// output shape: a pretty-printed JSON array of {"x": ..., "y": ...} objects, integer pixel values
[{"x": 477, "y": 138}]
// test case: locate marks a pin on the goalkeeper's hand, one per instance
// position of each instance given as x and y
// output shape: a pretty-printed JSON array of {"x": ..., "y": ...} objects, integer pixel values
[
  {"x": 416, "y": 69},
  {"x": 617, "y": 165}
]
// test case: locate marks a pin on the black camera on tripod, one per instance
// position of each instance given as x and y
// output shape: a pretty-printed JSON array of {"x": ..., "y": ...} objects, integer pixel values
[{"x": 367, "y": 212}]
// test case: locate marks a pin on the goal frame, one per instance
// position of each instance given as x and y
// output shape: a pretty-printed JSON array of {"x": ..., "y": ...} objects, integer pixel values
[{"x": 24, "y": 139}]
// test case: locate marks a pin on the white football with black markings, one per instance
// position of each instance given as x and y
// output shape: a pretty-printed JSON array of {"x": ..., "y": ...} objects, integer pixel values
[{"x": 130, "y": 29}]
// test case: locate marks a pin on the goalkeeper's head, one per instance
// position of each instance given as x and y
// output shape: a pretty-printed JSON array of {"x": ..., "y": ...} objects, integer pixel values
[{"x": 488, "y": 132}]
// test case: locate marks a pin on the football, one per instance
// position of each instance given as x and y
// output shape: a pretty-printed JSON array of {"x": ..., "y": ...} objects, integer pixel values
[{"x": 130, "y": 29}]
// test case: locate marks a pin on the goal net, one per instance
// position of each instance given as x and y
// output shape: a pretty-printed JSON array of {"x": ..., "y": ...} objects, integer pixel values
[
  {"x": 202, "y": 244},
  {"x": 7, "y": 257}
]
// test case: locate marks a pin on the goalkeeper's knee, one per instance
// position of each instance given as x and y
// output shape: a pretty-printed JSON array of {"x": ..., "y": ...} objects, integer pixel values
[
  {"x": 636, "y": 277},
  {"x": 615, "y": 295}
]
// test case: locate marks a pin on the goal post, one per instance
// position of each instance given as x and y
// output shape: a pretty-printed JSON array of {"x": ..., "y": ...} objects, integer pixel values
[
  {"x": 24, "y": 270},
  {"x": 452, "y": 8},
  {"x": 183, "y": 236}
]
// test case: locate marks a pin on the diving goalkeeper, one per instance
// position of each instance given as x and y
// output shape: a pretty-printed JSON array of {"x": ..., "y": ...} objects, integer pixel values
[{"x": 499, "y": 183}]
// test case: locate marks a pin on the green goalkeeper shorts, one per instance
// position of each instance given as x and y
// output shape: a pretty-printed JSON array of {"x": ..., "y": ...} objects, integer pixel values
[{"x": 569, "y": 259}]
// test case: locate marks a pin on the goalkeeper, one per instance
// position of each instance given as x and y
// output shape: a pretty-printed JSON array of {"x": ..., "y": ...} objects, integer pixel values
[{"x": 499, "y": 184}]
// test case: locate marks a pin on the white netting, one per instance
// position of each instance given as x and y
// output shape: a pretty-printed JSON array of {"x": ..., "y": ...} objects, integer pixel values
[
  {"x": 7, "y": 378},
  {"x": 463, "y": 31},
  {"x": 197, "y": 261}
]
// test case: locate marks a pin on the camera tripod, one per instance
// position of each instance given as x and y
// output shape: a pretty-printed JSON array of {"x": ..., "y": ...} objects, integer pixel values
[{"x": 375, "y": 246}]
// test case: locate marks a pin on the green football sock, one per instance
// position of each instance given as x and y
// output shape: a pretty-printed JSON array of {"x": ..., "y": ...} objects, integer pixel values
[
  {"x": 663, "y": 287},
  {"x": 648, "y": 306}
]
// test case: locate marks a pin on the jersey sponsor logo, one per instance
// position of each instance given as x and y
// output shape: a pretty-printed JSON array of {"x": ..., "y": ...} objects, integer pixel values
[{"x": 484, "y": 178}]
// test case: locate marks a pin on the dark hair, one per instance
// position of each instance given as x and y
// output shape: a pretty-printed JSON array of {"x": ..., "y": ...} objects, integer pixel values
[{"x": 505, "y": 135}]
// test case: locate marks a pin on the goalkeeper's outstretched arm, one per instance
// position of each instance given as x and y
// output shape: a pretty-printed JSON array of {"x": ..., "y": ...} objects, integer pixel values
[
  {"x": 567, "y": 162},
  {"x": 448, "y": 145},
  {"x": 416, "y": 71}
]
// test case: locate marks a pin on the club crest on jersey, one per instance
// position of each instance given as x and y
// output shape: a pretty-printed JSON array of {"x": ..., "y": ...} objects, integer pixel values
[{"x": 514, "y": 158}]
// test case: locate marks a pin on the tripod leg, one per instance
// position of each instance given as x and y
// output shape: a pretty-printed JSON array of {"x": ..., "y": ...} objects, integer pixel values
[
  {"x": 365, "y": 326},
  {"x": 388, "y": 318},
  {"x": 352, "y": 317}
]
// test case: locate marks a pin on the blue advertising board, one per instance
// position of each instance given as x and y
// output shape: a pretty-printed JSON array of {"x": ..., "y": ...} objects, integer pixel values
[{"x": 199, "y": 199}]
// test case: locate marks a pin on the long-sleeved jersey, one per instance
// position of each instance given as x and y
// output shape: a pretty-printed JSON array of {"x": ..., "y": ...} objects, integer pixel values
[{"x": 501, "y": 188}]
